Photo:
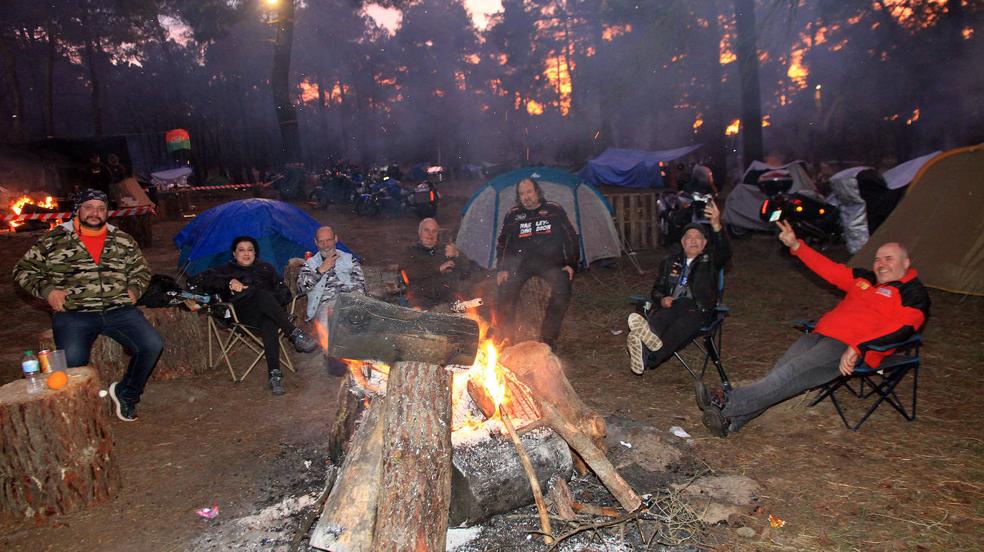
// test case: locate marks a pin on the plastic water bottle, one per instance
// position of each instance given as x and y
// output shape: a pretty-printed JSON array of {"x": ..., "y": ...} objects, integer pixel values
[{"x": 32, "y": 372}]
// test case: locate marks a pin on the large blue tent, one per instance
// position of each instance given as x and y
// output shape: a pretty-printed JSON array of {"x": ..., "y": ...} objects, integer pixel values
[
  {"x": 282, "y": 230},
  {"x": 631, "y": 168}
]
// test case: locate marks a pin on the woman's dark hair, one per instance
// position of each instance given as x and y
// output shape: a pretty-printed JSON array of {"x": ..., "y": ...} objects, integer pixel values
[{"x": 239, "y": 239}]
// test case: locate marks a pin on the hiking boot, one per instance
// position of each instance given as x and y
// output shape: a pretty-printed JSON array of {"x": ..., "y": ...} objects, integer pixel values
[
  {"x": 125, "y": 410},
  {"x": 303, "y": 343},
  {"x": 634, "y": 345},
  {"x": 716, "y": 422},
  {"x": 276, "y": 385},
  {"x": 709, "y": 399},
  {"x": 639, "y": 325}
]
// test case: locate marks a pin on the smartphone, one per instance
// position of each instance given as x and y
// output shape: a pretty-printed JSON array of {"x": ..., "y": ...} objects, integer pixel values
[{"x": 775, "y": 216}]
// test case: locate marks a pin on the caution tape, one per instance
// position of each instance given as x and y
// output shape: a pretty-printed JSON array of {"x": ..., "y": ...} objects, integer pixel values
[
  {"x": 127, "y": 212},
  {"x": 227, "y": 186}
]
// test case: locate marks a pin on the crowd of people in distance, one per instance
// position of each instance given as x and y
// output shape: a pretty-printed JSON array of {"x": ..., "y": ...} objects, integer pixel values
[{"x": 91, "y": 275}]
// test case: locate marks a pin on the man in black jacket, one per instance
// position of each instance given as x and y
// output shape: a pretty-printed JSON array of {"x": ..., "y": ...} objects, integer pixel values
[
  {"x": 685, "y": 295},
  {"x": 435, "y": 276},
  {"x": 537, "y": 239}
]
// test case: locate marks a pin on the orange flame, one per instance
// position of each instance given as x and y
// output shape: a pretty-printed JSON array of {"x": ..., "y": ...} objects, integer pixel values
[
  {"x": 733, "y": 128},
  {"x": 534, "y": 107},
  {"x": 18, "y": 205}
]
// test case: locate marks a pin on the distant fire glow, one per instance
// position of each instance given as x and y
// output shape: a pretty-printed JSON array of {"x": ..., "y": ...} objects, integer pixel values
[
  {"x": 309, "y": 91},
  {"x": 797, "y": 72},
  {"x": 733, "y": 128},
  {"x": 698, "y": 122},
  {"x": 534, "y": 107},
  {"x": 559, "y": 77},
  {"x": 914, "y": 117}
]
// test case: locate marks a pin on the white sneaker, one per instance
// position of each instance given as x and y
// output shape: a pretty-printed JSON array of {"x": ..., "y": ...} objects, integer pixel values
[{"x": 639, "y": 326}]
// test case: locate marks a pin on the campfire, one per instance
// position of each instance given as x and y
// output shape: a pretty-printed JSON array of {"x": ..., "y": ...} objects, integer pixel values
[
  {"x": 446, "y": 428},
  {"x": 32, "y": 204}
]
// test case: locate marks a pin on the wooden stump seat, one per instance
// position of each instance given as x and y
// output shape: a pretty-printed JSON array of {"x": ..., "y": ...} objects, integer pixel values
[
  {"x": 56, "y": 450},
  {"x": 185, "y": 337}
]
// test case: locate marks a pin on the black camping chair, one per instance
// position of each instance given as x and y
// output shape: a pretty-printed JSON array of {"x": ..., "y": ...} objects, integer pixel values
[
  {"x": 875, "y": 385},
  {"x": 708, "y": 338}
]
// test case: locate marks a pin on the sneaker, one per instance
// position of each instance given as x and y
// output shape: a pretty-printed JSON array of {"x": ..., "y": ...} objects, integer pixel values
[
  {"x": 125, "y": 410},
  {"x": 634, "y": 345},
  {"x": 276, "y": 387},
  {"x": 716, "y": 422},
  {"x": 303, "y": 343},
  {"x": 640, "y": 326}
]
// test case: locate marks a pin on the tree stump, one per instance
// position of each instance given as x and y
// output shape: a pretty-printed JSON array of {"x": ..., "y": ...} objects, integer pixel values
[
  {"x": 185, "y": 337},
  {"x": 415, "y": 484},
  {"x": 56, "y": 450},
  {"x": 367, "y": 329}
]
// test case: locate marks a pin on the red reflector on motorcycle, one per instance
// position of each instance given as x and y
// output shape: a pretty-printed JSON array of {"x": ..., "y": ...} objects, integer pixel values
[
  {"x": 765, "y": 206},
  {"x": 432, "y": 196}
]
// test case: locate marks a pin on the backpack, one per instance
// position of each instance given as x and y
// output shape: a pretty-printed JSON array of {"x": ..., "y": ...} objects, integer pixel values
[{"x": 156, "y": 295}]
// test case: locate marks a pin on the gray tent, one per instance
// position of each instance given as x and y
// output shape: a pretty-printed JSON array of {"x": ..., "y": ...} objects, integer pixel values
[{"x": 588, "y": 210}]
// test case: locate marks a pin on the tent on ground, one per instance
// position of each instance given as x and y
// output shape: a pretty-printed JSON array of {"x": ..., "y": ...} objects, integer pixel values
[
  {"x": 631, "y": 168},
  {"x": 939, "y": 221},
  {"x": 282, "y": 230},
  {"x": 902, "y": 174},
  {"x": 741, "y": 209},
  {"x": 588, "y": 210}
]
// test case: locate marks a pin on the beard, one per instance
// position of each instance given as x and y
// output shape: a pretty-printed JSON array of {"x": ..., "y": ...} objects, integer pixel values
[
  {"x": 98, "y": 226},
  {"x": 325, "y": 253}
]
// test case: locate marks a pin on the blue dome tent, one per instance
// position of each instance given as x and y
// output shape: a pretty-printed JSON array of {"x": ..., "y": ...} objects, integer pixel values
[
  {"x": 282, "y": 230},
  {"x": 588, "y": 210}
]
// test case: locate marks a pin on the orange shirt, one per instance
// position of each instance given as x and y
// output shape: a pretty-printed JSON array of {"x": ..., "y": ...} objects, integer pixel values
[{"x": 93, "y": 240}]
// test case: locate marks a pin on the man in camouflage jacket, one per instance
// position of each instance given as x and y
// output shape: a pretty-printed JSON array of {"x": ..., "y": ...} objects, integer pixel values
[{"x": 91, "y": 274}]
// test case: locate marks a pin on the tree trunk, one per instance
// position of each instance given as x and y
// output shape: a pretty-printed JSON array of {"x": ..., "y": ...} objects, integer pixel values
[
  {"x": 352, "y": 402},
  {"x": 10, "y": 67},
  {"x": 748, "y": 70},
  {"x": 49, "y": 85},
  {"x": 280, "y": 84},
  {"x": 367, "y": 329},
  {"x": 415, "y": 484},
  {"x": 715, "y": 124},
  {"x": 57, "y": 449},
  {"x": 96, "y": 96}
]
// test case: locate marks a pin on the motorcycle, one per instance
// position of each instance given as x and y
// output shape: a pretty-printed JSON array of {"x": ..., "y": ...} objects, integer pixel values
[
  {"x": 813, "y": 219},
  {"x": 388, "y": 195},
  {"x": 333, "y": 187}
]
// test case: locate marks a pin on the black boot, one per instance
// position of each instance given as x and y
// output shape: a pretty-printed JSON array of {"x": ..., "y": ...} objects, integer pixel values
[
  {"x": 303, "y": 343},
  {"x": 276, "y": 385}
]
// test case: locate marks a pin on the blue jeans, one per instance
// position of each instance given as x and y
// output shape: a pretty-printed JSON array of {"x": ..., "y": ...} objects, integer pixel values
[
  {"x": 75, "y": 332},
  {"x": 813, "y": 360}
]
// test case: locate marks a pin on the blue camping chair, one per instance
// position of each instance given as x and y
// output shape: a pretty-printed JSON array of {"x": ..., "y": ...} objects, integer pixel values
[
  {"x": 708, "y": 338},
  {"x": 879, "y": 384}
]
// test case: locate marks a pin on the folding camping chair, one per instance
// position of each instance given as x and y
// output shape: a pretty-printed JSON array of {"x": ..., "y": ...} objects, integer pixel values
[
  {"x": 879, "y": 384},
  {"x": 708, "y": 338},
  {"x": 227, "y": 332}
]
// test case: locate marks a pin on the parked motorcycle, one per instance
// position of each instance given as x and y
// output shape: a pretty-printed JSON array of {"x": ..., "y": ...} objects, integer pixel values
[
  {"x": 388, "y": 195},
  {"x": 814, "y": 219}
]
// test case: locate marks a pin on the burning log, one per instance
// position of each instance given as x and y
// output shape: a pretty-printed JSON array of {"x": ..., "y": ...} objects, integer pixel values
[
  {"x": 415, "y": 492},
  {"x": 367, "y": 329},
  {"x": 57, "y": 449}
]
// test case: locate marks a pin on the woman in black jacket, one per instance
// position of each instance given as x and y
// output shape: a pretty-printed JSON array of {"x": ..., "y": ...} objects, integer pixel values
[
  {"x": 684, "y": 295},
  {"x": 258, "y": 295}
]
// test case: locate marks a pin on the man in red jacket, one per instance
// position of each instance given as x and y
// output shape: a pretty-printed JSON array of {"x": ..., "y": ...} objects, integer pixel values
[{"x": 885, "y": 305}]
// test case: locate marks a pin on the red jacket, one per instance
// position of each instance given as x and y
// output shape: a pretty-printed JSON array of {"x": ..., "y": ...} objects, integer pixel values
[{"x": 870, "y": 313}]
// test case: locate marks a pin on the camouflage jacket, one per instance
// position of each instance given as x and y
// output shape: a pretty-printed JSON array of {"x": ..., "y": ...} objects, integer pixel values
[{"x": 59, "y": 260}]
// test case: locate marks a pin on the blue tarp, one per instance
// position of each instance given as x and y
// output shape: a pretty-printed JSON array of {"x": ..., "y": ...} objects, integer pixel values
[
  {"x": 631, "y": 168},
  {"x": 282, "y": 230}
]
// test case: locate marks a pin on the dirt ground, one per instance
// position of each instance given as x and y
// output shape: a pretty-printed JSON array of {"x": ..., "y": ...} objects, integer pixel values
[{"x": 893, "y": 485}]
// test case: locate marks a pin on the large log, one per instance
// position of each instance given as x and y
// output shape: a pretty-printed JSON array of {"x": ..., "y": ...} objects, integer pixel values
[
  {"x": 415, "y": 491},
  {"x": 351, "y": 403},
  {"x": 56, "y": 450},
  {"x": 488, "y": 477},
  {"x": 346, "y": 524},
  {"x": 367, "y": 329},
  {"x": 185, "y": 336},
  {"x": 535, "y": 365}
]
